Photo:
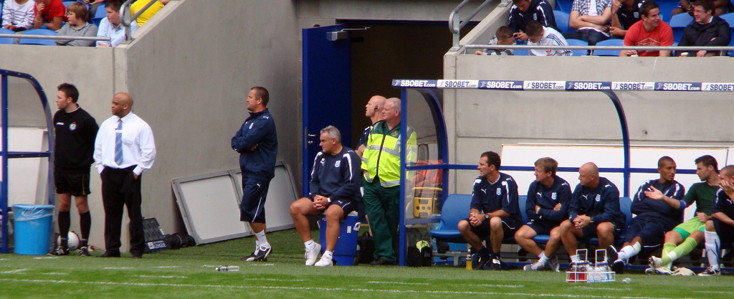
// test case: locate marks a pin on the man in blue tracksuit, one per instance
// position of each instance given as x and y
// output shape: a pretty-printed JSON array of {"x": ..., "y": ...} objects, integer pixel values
[{"x": 257, "y": 143}]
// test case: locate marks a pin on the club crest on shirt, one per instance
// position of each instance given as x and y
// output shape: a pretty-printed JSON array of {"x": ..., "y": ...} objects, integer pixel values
[
  {"x": 554, "y": 196},
  {"x": 72, "y": 126},
  {"x": 395, "y": 133},
  {"x": 598, "y": 198},
  {"x": 337, "y": 164},
  {"x": 499, "y": 191}
]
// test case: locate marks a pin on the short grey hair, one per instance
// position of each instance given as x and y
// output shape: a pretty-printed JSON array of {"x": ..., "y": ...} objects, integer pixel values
[
  {"x": 332, "y": 132},
  {"x": 395, "y": 103}
]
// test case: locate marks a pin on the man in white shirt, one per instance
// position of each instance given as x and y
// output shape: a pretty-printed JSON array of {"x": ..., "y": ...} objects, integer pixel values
[
  {"x": 112, "y": 27},
  {"x": 545, "y": 36},
  {"x": 123, "y": 150}
]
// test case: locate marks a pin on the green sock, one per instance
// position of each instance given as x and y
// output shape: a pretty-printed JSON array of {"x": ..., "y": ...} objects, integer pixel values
[
  {"x": 684, "y": 248},
  {"x": 667, "y": 247}
]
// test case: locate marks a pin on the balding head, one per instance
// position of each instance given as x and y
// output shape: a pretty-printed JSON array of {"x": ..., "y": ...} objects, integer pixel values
[
  {"x": 373, "y": 108},
  {"x": 589, "y": 175},
  {"x": 122, "y": 103}
]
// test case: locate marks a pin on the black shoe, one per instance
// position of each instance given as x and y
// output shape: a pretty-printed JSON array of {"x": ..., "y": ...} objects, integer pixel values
[
  {"x": 480, "y": 259},
  {"x": 60, "y": 251},
  {"x": 110, "y": 254},
  {"x": 618, "y": 267},
  {"x": 137, "y": 255},
  {"x": 259, "y": 255},
  {"x": 498, "y": 264},
  {"x": 612, "y": 254},
  {"x": 382, "y": 261},
  {"x": 84, "y": 251}
]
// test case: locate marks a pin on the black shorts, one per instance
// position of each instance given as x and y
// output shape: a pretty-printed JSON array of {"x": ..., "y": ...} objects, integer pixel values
[
  {"x": 347, "y": 205},
  {"x": 725, "y": 232},
  {"x": 509, "y": 227},
  {"x": 252, "y": 207},
  {"x": 74, "y": 182},
  {"x": 590, "y": 231},
  {"x": 543, "y": 227},
  {"x": 651, "y": 230}
]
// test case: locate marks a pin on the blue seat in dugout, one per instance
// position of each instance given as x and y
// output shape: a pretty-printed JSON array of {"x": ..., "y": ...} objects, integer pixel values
[
  {"x": 34, "y": 41},
  {"x": 455, "y": 208}
]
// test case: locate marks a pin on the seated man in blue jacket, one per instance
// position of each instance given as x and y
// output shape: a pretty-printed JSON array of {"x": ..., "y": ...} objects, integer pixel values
[
  {"x": 334, "y": 186},
  {"x": 546, "y": 207},
  {"x": 658, "y": 205},
  {"x": 524, "y": 11},
  {"x": 705, "y": 30}
]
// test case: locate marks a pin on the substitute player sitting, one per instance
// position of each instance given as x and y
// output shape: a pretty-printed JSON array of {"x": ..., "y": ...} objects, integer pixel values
[
  {"x": 546, "y": 207},
  {"x": 335, "y": 182},
  {"x": 493, "y": 213},
  {"x": 720, "y": 228},
  {"x": 686, "y": 236},
  {"x": 658, "y": 205}
]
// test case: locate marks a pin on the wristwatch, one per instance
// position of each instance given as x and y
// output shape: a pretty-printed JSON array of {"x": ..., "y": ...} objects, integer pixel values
[{"x": 486, "y": 216}]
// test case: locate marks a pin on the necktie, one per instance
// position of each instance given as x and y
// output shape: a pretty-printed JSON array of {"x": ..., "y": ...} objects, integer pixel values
[{"x": 118, "y": 143}]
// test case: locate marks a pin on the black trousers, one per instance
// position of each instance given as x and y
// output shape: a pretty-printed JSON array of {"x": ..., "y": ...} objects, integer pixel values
[{"x": 120, "y": 188}]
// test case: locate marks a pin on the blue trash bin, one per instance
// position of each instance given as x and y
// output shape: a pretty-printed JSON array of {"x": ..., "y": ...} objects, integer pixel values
[
  {"x": 345, "y": 251},
  {"x": 33, "y": 228}
]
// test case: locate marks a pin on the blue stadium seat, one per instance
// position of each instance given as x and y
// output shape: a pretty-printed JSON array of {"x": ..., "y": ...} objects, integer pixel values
[
  {"x": 67, "y": 3},
  {"x": 6, "y": 40},
  {"x": 33, "y": 41},
  {"x": 561, "y": 20},
  {"x": 100, "y": 14},
  {"x": 679, "y": 23},
  {"x": 578, "y": 42},
  {"x": 455, "y": 209},
  {"x": 666, "y": 8},
  {"x": 609, "y": 42}
]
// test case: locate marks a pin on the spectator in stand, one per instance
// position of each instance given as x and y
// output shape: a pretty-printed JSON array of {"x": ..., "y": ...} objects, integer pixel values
[
  {"x": 18, "y": 14},
  {"x": 546, "y": 36},
  {"x": 503, "y": 36},
  {"x": 625, "y": 13},
  {"x": 720, "y": 7},
  {"x": 111, "y": 26},
  {"x": 705, "y": 30},
  {"x": 78, "y": 25},
  {"x": 148, "y": 13},
  {"x": 650, "y": 31},
  {"x": 524, "y": 11},
  {"x": 591, "y": 22},
  {"x": 49, "y": 14},
  {"x": 93, "y": 5}
]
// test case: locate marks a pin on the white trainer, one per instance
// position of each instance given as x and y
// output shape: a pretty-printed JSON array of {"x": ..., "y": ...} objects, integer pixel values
[
  {"x": 324, "y": 262},
  {"x": 312, "y": 254}
]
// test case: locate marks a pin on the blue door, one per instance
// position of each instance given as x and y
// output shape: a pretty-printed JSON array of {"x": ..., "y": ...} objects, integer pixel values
[{"x": 327, "y": 90}]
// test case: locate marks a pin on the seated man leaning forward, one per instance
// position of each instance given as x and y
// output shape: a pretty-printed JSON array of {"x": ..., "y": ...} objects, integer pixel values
[
  {"x": 546, "y": 36},
  {"x": 546, "y": 207},
  {"x": 494, "y": 211},
  {"x": 658, "y": 205},
  {"x": 335, "y": 182},
  {"x": 650, "y": 31},
  {"x": 593, "y": 212}
]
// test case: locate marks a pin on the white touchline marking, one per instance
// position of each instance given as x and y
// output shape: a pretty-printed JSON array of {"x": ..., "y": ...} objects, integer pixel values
[
  {"x": 602, "y": 289},
  {"x": 159, "y": 276},
  {"x": 117, "y": 268},
  {"x": 263, "y": 265},
  {"x": 397, "y": 282},
  {"x": 166, "y": 267},
  {"x": 301, "y": 288},
  {"x": 55, "y": 273},
  {"x": 714, "y": 292},
  {"x": 45, "y": 257},
  {"x": 14, "y": 271},
  {"x": 272, "y": 279},
  {"x": 511, "y": 286}
]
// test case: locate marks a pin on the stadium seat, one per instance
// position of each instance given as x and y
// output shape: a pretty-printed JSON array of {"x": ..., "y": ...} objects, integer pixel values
[
  {"x": 455, "y": 209},
  {"x": 100, "y": 14},
  {"x": 666, "y": 9},
  {"x": 561, "y": 20},
  {"x": 34, "y": 41},
  {"x": 729, "y": 18},
  {"x": 67, "y": 3},
  {"x": 6, "y": 40},
  {"x": 578, "y": 42},
  {"x": 679, "y": 23},
  {"x": 609, "y": 42}
]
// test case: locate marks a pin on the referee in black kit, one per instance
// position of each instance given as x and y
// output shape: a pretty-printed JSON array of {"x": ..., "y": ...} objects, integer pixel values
[{"x": 123, "y": 150}]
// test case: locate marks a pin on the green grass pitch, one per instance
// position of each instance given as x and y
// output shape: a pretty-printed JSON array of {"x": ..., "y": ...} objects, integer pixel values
[{"x": 190, "y": 273}]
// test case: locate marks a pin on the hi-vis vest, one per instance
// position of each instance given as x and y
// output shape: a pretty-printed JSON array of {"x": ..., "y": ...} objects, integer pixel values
[{"x": 381, "y": 156}]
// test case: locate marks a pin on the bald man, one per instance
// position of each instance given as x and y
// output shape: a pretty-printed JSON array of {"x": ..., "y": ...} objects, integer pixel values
[
  {"x": 372, "y": 111},
  {"x": 123, "y": 150},
  {"x": 593, "y": 212}
]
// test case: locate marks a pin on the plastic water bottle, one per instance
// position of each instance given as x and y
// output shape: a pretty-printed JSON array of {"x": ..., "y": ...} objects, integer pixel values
[
  {"x": 228, "y": 268},
  {"x": 468, "y": 260}
]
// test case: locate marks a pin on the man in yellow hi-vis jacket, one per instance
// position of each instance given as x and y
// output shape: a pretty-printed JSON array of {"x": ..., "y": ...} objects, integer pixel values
[{"x": 381, "y": 168}]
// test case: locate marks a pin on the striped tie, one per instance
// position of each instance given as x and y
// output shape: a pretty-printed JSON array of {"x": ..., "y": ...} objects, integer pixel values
[{"x": 118, "y": 143}]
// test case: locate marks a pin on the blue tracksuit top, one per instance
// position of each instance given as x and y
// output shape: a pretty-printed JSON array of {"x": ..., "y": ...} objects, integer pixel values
[
  {"x": 338, "y": 176},
  {"x": 502, "y": 195},
  {"x": 258, "y": 129},
  {"x": 547, "y": 198},
  {"x": 645, "y": 206},
  {"x": 601, "y": 204}
]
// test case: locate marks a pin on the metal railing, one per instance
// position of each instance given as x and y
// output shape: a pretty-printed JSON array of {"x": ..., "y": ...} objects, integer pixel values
[
  {"x": 456, "y": 23},
  {"x": 127, "y": 20},
  {"x": 54, "y": 37},
  {"x": 614, "y": 48}
]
